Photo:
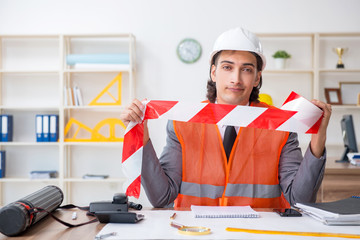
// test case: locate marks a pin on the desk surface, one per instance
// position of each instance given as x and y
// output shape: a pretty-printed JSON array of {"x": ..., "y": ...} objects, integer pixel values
[
  {"x": 333, "y": 167},
  {"x": 156, "y": 226},
  {"x": 50, "y": 229}
]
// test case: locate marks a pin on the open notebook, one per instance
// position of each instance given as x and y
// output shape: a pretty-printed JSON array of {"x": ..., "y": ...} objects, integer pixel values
[{"x": 224, "y": 212}]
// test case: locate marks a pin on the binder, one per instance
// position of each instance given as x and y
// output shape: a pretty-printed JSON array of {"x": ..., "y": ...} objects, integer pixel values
[
  {"x": 2, "y": 164},
  {"x": 6, "y": 128},
  {"x": 39, "y": 127},
  {"x": 46, "y": 123},
  {"x": 54, "y": 128}
]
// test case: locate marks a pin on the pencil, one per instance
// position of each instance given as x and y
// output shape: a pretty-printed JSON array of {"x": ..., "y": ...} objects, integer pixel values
[{"x": 173, "y": 216}]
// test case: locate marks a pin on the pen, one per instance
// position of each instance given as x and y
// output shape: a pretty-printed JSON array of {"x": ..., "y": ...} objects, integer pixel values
[
  {"x": 173, "y": 216},
  {"x": 102, "y": 236}
]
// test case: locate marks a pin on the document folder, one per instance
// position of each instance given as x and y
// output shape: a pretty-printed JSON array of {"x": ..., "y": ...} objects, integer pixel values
[
  {"x": 6, "y": 128},
  {"x": 341, "y": 212},
  {"x": 54, "y": 128},
  {"x": 38, "y": 128},
  {"x": 2, "y": 164},
  {"x": 46, "y": 123}
]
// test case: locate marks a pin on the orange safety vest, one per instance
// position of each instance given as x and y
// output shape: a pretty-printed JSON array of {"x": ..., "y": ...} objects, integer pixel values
[{"x": 250, "y": 177}]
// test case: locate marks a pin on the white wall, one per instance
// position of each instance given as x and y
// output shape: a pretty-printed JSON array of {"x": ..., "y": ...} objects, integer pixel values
[{"x": 159, "y": 25}]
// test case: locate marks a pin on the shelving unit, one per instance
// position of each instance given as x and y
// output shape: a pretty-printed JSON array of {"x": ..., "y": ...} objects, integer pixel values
[
  {"x": 33, "y": 76},
  {"x": 310, "y": 70}
]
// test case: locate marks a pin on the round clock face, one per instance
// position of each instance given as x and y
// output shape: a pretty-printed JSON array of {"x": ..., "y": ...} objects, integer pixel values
[{"x": 189, "y": 50}]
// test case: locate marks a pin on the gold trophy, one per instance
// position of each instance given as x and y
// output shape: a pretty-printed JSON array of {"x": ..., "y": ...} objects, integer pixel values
[{"x": 340, "y": 51}]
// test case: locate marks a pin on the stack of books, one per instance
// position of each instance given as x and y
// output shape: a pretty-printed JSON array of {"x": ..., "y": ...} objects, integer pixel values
[
  {"x": 73, "y": 96},
  {"x": 342, "y": 212}
]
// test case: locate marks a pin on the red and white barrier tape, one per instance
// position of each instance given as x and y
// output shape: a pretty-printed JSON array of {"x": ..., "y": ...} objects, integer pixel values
[{"x": 297, "y": 114}]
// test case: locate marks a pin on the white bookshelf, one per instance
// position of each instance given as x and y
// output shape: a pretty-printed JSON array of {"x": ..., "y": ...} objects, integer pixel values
[
  {"x": 33, "y": 65},
  {"x": 310, "y": 70},
  {"x": 33, "y": 74}
]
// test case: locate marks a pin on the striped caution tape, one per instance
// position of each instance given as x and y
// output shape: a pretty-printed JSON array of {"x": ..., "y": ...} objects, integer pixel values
[{"x": 297, "y": 114}]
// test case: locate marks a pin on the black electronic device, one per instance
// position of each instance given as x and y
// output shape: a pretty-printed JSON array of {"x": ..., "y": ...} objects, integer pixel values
[
  {"x": 349, "y": 138},
  {"x": 119, "y": 203},
  {"x": 116, "y": 211},
  {"x": 118, "y": 217},
  {"x": 16, "y": 217},
  {"x": 287, "y": 212}
]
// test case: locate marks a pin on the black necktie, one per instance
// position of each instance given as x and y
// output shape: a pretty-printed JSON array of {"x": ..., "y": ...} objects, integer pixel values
[{"x": 229, "y": 139}]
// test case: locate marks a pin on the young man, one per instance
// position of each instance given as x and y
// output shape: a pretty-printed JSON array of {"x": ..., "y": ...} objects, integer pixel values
[{"x": 264, "y": 168}]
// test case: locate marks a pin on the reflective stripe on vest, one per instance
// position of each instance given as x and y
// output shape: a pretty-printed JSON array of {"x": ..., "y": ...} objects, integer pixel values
[
  {"x": 201, "y": 190},
  {"x": 232, "y": 190},
  {"x": 253, "y": 190}
]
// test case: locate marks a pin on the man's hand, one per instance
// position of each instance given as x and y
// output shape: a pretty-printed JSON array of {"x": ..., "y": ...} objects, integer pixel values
[
  {"x": 318, "y": 140},
  {"x": 134, "y": 113}
]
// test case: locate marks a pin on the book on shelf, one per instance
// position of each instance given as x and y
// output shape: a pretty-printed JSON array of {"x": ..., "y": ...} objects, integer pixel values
[
  {"x": 77, "y": 93},
  {"x": 69, "y": 97},
  {"x": 341, "y": 212},
  {"x": 73, "y": 96},
  {"x": 2, "y": 163},
  {"x": 224, "y": 212}
]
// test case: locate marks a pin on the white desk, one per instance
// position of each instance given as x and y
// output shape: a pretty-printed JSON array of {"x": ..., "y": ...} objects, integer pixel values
[{"x": 156, "y": 226}]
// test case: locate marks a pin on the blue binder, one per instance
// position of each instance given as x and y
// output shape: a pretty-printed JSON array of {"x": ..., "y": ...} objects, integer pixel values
[
  {"x": 54, "y": 128},
  {"x": 38, "y": 128},
  {"x": 2, "y": 164},
  {"x": 6, "y": 128},
  {"x": 46, "y": 128}
]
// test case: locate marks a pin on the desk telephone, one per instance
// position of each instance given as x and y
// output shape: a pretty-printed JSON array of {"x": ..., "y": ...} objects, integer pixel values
[{"x": 117, "y": 210}]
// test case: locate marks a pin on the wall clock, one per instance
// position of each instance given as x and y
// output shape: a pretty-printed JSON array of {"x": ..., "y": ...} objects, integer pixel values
[{"x": 189, "y": 50}]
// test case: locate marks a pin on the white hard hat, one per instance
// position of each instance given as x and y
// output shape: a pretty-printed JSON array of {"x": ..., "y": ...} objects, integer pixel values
[{"x": 238, "y": 39}]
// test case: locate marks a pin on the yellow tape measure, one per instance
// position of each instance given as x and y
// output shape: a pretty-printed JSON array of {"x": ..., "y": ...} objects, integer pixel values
[{"x": 307, "y": 234}]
